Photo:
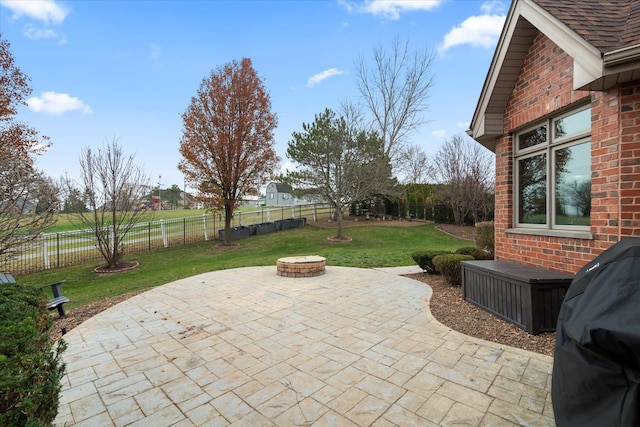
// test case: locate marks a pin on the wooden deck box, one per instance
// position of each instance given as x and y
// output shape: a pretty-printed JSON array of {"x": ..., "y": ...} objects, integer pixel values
[{"x": 527, "y": 296}]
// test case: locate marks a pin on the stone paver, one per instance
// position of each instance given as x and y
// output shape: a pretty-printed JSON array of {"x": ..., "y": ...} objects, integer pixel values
[{"x": 353, "y": 347}]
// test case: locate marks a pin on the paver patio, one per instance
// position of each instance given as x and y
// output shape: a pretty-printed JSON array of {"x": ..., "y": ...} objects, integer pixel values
[{"x": 246, "y": 347}]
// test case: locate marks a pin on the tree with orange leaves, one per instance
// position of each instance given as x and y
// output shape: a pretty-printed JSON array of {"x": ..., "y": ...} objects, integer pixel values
[
  {"x": 227, "y": 141},
  {"x": 28, "y": 199}
]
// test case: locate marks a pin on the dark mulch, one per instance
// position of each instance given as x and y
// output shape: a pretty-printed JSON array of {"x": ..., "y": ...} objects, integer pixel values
[{"x": 448, "y": 306}]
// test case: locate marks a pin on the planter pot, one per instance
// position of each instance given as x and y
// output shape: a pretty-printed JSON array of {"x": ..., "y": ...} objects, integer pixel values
[
  {"x": 236, "y": 233},
  {"x": 264, "y": 228},
  {"x": 290, "y": 223}
]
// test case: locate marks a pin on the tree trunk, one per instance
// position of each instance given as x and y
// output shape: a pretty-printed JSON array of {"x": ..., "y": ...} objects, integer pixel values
[
  {"x": 228, "y": 215},
  {"x": 339, "y": 221},
  {"x": 113, "y": 255}
]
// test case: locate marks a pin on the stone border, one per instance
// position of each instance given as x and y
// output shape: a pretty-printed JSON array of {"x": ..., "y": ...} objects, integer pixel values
[{"x": 301, "y": 266}]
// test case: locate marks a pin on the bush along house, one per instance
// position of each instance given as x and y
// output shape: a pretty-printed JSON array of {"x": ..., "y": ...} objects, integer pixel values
[{"x": 560, "y": 108}]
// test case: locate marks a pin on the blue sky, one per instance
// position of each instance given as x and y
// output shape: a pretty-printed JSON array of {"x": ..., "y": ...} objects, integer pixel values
[{"x": 126, "y": 70}]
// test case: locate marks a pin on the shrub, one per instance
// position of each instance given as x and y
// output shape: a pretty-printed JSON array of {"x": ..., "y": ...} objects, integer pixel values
[
  {"x": 449, "y": 266},
  {"x": 30, "y": 367},
  {"x": 485, "y": 236},
  {"x": 423, "y": 259},
  {"x": 481, "y": 254},
  {"x": 466, "y": 250},
  {"x": 475, "y": 252}
]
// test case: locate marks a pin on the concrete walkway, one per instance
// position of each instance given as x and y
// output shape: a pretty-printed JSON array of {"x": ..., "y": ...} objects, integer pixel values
[{"x": 245, "y": 347}]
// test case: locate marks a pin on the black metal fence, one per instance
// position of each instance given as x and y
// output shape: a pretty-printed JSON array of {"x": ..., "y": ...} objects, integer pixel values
[{"x": 55, "y": 250}]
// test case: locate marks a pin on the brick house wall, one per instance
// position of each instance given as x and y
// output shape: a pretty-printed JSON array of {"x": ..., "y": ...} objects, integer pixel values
[
  {"x": 630, "y": 160},
  {"x": 544, "y": 87}
]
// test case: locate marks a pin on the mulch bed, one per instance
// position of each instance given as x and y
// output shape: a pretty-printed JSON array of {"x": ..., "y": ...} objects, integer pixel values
[{"x": 450, "y": 309}]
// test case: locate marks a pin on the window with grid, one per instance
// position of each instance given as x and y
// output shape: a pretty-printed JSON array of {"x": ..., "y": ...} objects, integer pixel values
[{"x": 552, "y": 176}]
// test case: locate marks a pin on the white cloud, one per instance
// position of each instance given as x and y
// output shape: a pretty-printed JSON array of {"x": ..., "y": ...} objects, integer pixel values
[
  {"x": 463, "y": 125},
  {"x": 390, "y": 9},
  {"x": 440, "y": 133},
  {"x": 47, "y": 11},
  {"x": 288, "y": 167},
  {"x": 317, "y": 78},
  {"x": 481, "y": 30},
  {"x": 57, "y": 103},
  {"x": 493, "y": 7},
  {"x": 39, "y": 33}
]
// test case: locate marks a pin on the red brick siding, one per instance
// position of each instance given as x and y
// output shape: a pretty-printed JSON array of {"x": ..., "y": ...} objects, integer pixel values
[
  {"x": 503, "y": 214},
  {"x": 544, "y": 86},
  {"x": 605, "y": 212},
  {"x": 630, "y": 160}
]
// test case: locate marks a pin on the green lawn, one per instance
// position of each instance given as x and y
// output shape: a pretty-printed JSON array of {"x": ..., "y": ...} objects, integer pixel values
[
  {"x": 371, "y": 247},
  {"x": 68, "y": 222}
]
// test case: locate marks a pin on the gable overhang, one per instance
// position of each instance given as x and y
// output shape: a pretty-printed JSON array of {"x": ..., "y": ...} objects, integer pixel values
[
  {"x": 590, "y": 68},
  {"x": 619, "y": 66}
]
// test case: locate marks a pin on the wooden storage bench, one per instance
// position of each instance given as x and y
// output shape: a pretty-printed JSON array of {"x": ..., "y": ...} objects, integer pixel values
[{"x": 527, "y": 296}]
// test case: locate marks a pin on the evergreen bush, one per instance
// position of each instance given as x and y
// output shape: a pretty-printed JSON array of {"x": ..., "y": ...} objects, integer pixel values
[
  {"x": 449, "y": 266},
  {"x": 481, "y": 254},
  {"x": 485, "y": 236},
  {"x": 466, "y": 250},
  {"x": 423, "y": 259},
  {"x": 475, "y": 252},
  {"x": 30, "y": 365}
]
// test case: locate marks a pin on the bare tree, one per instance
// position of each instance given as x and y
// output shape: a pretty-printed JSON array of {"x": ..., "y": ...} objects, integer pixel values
[
  {"x": 339, "y": 163},
  {"x": 227, "y": 141},
  {"x": 28, "y": 200},
  {"x": 414, "y": 166},
  {"x": 395, "y": 90},
  {"x": 115, "y": 188},
  {"x": 466, "y": 170}
]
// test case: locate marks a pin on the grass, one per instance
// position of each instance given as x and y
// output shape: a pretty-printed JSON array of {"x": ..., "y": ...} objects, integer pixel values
[
  {"x": 70, "y": 222},
  {"x": 371, "y": 247}
]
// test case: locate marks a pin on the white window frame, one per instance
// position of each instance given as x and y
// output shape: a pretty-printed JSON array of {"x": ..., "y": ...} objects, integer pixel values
[{"x": 548, "y": 148}]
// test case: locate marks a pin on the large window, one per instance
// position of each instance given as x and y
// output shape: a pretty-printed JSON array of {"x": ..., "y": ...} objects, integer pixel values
[{"x": 553, "y": 173}]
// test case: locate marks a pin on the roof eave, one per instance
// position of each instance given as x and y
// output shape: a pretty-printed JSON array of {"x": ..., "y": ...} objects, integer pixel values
[
  {"x": 488, "y": 141},
  {"x": 622, "y": 56}
]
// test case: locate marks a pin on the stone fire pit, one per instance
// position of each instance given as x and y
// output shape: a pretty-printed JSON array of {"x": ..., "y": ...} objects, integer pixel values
[{"x": 301, "y": 266}]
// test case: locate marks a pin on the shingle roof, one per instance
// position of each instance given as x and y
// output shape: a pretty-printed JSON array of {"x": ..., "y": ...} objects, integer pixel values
[
  {"x": 602, "y": 36},
  {"x": 608, "y": 25},
  {"x": 283, "y": 188}
]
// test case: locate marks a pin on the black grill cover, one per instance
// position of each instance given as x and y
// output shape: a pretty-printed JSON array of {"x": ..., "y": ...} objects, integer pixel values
[{"x": 596, "y": 373}]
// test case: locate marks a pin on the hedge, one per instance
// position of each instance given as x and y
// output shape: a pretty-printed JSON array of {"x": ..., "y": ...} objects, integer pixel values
[
  {"x": 424, "y": 260},
  {"x": 30, "y": 366},
  {"x": 475, "y": 252},
  {"x": 449, "y": 266},
  {"x": 485, "y": 236}
]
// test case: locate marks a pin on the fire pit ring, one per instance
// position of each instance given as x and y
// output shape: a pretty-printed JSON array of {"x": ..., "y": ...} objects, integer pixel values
[{"x": 301, "y": 266}]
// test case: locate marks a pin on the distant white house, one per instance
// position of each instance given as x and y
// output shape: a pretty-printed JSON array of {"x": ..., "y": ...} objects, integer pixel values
[
  {"x": 18, "y": 207},
  {"x": 279, "y": 194}
]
